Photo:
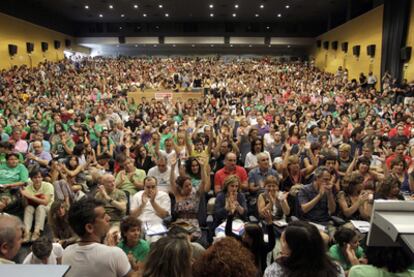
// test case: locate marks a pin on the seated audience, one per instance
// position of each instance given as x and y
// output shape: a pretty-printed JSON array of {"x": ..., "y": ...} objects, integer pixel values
[
  {"x": 59, "y": 224},
  {"x": 273, "y": 200},
  {"x": 44, "y": 252},
  {"x": 346, "y": 250}
]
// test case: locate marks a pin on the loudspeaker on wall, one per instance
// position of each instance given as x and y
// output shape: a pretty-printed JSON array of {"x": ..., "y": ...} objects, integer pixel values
[
  {"x": 12, "y": 49},
  {"x": 371, "y": 50},
  {"x": 344, "y": 47},
  {"x": 334, "y": 45},
  {"x": 356, "y": 50},
  {"x": 45, "y": 46},
  {"x": 29, "y": 47},
  {"x": 57, "y": 44}
]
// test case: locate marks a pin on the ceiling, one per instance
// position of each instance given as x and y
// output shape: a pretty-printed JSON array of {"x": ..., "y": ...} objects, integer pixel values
[{"x": 82, "y": 16}]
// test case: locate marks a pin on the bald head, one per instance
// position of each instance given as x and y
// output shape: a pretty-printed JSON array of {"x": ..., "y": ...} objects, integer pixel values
[
  {"x": 230, "y": 161},
  {"x": 108, "y": 181},
  {"x": 10, "y": 236}
]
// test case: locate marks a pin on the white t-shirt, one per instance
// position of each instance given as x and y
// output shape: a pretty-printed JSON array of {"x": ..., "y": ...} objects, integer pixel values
[
  {"x": 251, "y": 160},
  {"x": 148, "y": 213},
  {"x": 95, "y": 260},
  {"x": 163, "y": 178},
  {"x": 57, "y": 252}
]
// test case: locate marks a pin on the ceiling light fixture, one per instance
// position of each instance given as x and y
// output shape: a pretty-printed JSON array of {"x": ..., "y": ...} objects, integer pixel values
[
  {"x": 234, "y": 15},
  {"x": 287, "y": 6},
  {"x": 267, "y": 27},
  {"x": 288, "y": 46},
  {"x": 120, "y": 28},
  {"x": 136, "y": 45},
  {"x": 135, "y": 6},
  {"x": 256, "y": 15},
  {"x": 236, "y": 6},
  {"x": 279, "y": 15},
  {"x": 250, "y": 45},
  {"x": 144, "y": 15},
  {"x": 160, "y": 6},
  {"x": 212, "y": 45},
  {"x": 173, "y": 45},
  {"x": 231, "y": 45},
  {"x": 261, "y": 6},
  {"x": 193, "y": 45},
  {"x": 101, "y": 15},
  {"x": 122, "y": 15},
  {"x": 270, "y": 45},
  {"x": 87, "y": 7},
  {"x": 167, "y": 15},
  {"x": 211, "y": 6},
  {"x": 211, "y": 14},
  {"x": 111, "y": 7},
  {"x": 155, "y": 45}
]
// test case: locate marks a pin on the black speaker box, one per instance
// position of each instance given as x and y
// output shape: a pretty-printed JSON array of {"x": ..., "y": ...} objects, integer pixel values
[
  {"x": 121, "y": 40},
  {"x": 334, "y": 45},
  {"x": 326, "y": 45},
  {"x": 68, "y": 42},
  {"x": 371, "y": 50},
  {"x": 318, "y": 43},
  {"x": 356, "y": 50},
  {"x": 45, "y": 46},
  {"x": 56, "y": 44},
  {"x": 12, "y": 49},
  {"x": 29, "y": 47},
  {"x": 344, "y": 47},
  {"x": 405, "y": 54}
]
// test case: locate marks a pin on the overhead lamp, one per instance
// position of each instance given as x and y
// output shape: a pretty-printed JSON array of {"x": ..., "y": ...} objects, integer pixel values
[
  {"x": 135, "y": 6},
  {"x": 261, "y": 6},
  {"x": 160, "y": 6},
  {"x": 287, "y": 6},
  {"x": 236, "y": 6},
  {"x": 234, "y": 15},
  {"x": 86, "y": 7},
  {"x": 111, "y": 6},
  {"x": 211, "y": 6},
  {"x": 101, "y": 15},
  {"x": 144, "y": 15},
  {"x": 167, "y": 15},
  {"x": 279, "y": 15},
  {"x": 211, "y": 14}
]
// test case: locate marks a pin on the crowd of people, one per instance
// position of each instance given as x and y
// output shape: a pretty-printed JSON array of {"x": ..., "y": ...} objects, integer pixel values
[{"x": 278, "y": 157}]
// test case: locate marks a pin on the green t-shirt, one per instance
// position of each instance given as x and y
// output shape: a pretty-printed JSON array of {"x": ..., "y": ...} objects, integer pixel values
[
  {"x": 10, "y": 175},
  {"x": 140, "y": 251},
  {"x": 336, "y": 254},
  {"x": 372, "y": 271},
  {"x": 92, "y": 131},
  {"x": 45, "y": 189},
  {"x": 163, "y": 138},
  {"x": 3, "y": 158},
  {"x": 127, "y": 185}
]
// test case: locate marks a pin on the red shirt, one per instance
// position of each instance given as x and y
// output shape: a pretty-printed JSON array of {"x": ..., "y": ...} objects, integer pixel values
[
  {"x": 222, "y": 174},
  {"x": 393, "y": 156}
]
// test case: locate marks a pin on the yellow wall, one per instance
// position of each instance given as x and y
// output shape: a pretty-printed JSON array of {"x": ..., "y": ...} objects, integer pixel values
[
  {"x": 363, "y": 30},
  {"x": 18, "y": 32},
  {"x": 409, "y": 67}
]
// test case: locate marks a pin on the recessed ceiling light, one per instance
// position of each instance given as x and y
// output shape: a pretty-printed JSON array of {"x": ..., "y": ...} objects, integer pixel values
[
  {"x": 157, "y": 27},
  {"x": 173, "y": 45},
  {"x": 155, "y": 45},
  {"x": 261, "y": 6},
  {"x": 120, "y": 28},
  {"x": 270, "y": 45},
  {"x": 136, "y": 45},
  {"x": 288, "y": 46},
  {"x": 287, "y": 6},
  {"x": 211, "y": 14},
  {"x": 101, "y": 15},
  {"x": 122, "y": 15},
  {"x": 160, "y": 6},
  {"x": 231, "y": 45},
  {"x": 212, "y": 45},
  {"x": 135, "y": 6},
  {"x": 87, "y": 7},
  {"x": 279, "y": 15},
  {"x": 267, "y": 27},
  {"x": 111, "y": 6},
  {"x": 236, "y": 6},
  {"x": 234, "y": 15},
  {"x": 256, "y": 15},
  {"x": 193, "y": 45},
  {"x": 211, "y": 6},
  {"x": 167, "y": 15},
  {"x": 144, "y": 15},
  {"x": 250, "y": 45}
]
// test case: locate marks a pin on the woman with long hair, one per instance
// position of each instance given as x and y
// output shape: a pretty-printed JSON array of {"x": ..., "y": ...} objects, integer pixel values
[
  {"x": 303, "y": 254},
  {"x": 58, "y": 222},
  {"x": 169, "y": 256}
]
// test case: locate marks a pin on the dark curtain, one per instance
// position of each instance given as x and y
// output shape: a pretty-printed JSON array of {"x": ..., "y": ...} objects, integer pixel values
[{"x": 394, "y": 35}]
